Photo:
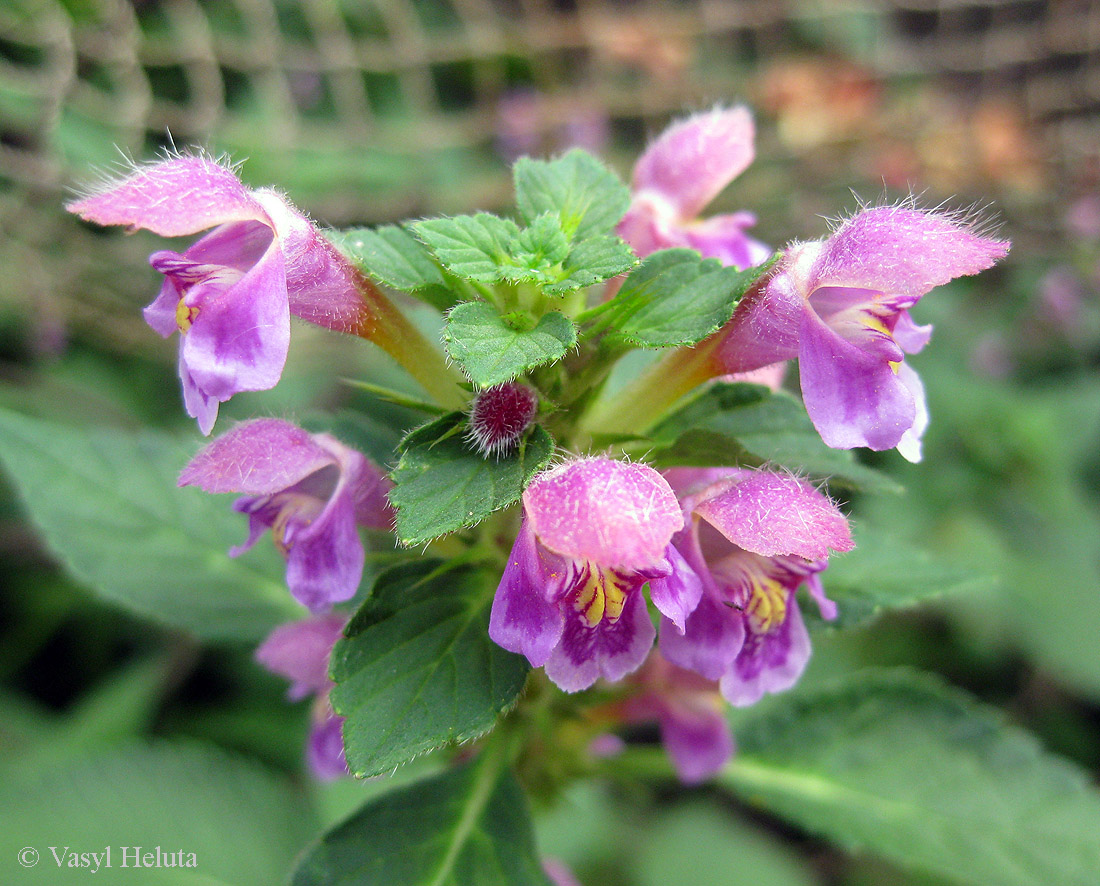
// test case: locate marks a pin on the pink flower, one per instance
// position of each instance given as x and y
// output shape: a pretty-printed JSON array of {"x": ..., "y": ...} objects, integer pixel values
[
  {"x": 300, "y": 652},
  {"x": 594, "y": 532},
  {"x": 841, "y": 306},
  {"x": 679, "y": 174},
  {"x": 230, "y": 295},
  {"x": 753, "y": 537},
  {"x": 310, "y": 490}
]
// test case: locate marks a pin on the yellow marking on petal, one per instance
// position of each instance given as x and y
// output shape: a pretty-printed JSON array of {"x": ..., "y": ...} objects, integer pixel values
[
  {"x": 185, "y": 316},
  {"x": 767, "y": 607},
  {"x": 895, "y": 365},
  {"x": 603, "y": 595},
  {"x": 878, "y": 324}
]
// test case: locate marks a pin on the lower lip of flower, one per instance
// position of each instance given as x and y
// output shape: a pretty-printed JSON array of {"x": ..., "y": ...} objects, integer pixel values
[{"x": 601, "y": 594}]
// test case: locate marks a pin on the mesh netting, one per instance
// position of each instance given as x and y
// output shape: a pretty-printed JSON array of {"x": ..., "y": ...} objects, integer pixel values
[{"x": 365, "y": 110}]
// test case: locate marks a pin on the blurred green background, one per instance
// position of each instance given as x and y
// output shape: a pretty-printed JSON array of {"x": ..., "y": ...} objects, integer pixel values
[{"x": 366, "y": 111}]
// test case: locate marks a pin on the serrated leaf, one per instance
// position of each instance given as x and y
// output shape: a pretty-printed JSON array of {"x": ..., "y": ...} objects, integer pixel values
[
  {"x": 673, "y": 298},
  {"x": 896, "y": 764},
  {"x": 740, "y": 423},
  {"x": 592, "y": 261},
  {"x": 467, "y": 827},
  {"x": 417, "y": 669},
  {"x": 587, "y": 196},
  {"x": 180, "y": 796},
  {"x": 491, "y": 351},
  {"x": 108, "y": 506},
  {"x": 882, "y": 573},
  {"x": 442, "y": 484},
  {"x": 542, "y": 244},
  {"x": 471, "y": 246},
  {"x": 392, "y": 255}
]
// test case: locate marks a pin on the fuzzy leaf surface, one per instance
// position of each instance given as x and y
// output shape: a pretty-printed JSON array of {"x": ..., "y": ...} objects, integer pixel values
[
  {"x": 491, "y": 350},
  {"x": 416, "y": 668},
  {"x": 673, "y": 298},
  {"x": 896, "y": 764},
  {"x": 469, "y": 826},
  {"x": 585, "y": 194},
  {"x": 107, "y": 505},
  {"x": 442, "y": 484}
]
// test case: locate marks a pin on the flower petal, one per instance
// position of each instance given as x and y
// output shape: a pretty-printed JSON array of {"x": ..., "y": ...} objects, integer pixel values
[
  {"x": 676, "y": 595},
  {"x": 199, "y": 404},
  {"x": 723, "y": 237},
  {"x": 240, "y": 337},
  {"x": 300, "y": 652},
  {"x": 903, "y": 251},
  {"x": 698, "y": 740},
  {"x": 324, "y": 561},
  {"x": 175, "y": 197},
  {"x": 611, "y": 650},
  {"x": 522, "y": 620},
  {"x": 768, "y": 662},
  {"x": 774, "y": 514},
  {"x": 693, "y": 160},
  {"x": 608, "y": 512},
  {"x": 910, "y": 443},
  {"x": 710, "y": 642},
  {"x": 325, "y": 750},
  {"x": 258, "y": 457},
  {"x": 853, "y": 398}
]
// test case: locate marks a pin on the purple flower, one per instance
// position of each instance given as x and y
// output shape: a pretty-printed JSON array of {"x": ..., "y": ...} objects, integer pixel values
[
  {"x": 841, "y": 306},
  {"x": 679, "y": 174},
  {"x": 754, "y": 537},
  {"x": 594, "y": 532},
  {"x": 690, "y": 711},
  {"x": 230, "y": 295},
  {"x": 300, "y": 652},
  {"x": 310, "y": 490}
]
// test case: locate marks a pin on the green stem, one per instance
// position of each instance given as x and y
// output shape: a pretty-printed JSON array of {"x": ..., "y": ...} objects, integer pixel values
[
  {"x": 423, "y": 360},
  {"x": 641, "y": 403}
]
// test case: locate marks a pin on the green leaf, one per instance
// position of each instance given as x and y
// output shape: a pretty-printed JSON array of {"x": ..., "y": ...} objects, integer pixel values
[
  {"x": 392, "y": 255},
  {"x": 469, "y": 826},
  {"x": 882, "y": 573},
  {"x": 587, "y": 196},
  {"x": 592, "y": 261},
  {"x": 441, "y": 484},
  {"x": 417, "y": 669},
  {"x": 740, "y": 423},
  {"x": 896, "y": 764},
  {"x": 471, "y": 246},
  {"x": 490, "y": 350},
  {"x": 108, "y": 506},
  {"x": 541, "y": 245},
  {"x": 177, "y": 796},
  {"x": 674, "y": 298}
]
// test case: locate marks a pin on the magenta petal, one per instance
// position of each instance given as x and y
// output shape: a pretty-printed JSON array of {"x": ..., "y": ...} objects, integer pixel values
[
  {"x": 710, "y": 642},
  {"x": 521, "y": 619},
  {"x": 825, "y": 606},
  {"x": 698, "y": 740},
  {"x": 768, "y": 662},
  {"x": 909, "y": 336},
  {"x": 300, "y": 652},
  {"x": 676, "y": 595},
  {"x": 764, "y": 328},
  {"x": 910, "y": 443},
  {"x": 199, "y": 405},
  {"x": 325, "y": 560},
  {"x": 161, "y": 313},
  {"x": 774, "y": 514},
  {"x": 902, "y": 250},
  {"x": 240, "y": 337},
  {"x": 258, "y": 457},
  {"x": 853, "y": 398},
  {"x": 610, "y": 650},
  {"x": 612, "y": 513},
  {"x": 723, "y": 237},
  {"x": 182, "y": 195},
  {"x": 325, "y": 749},
  {"x": 693, "y": 160}
]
